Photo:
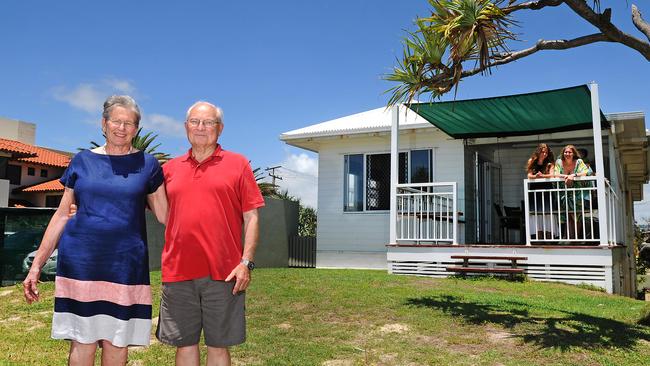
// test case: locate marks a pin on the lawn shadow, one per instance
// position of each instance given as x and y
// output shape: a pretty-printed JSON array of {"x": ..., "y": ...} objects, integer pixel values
[{"x": 563, "y": 331}]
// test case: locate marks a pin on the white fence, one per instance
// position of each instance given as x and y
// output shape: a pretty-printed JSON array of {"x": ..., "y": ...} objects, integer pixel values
[
  {"x": 558, "y": 213},
  {"x": 427, "y": 212}
]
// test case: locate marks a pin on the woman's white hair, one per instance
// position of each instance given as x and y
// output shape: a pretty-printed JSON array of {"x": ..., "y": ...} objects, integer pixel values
[{"x": 123, "y": 101}]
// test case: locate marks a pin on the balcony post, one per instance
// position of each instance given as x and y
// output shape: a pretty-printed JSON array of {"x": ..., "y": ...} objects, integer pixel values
[
  {"x": 600, "y": 166},
  {"x": 527, "y": 212},
  {"x": 394, "y": 173}
]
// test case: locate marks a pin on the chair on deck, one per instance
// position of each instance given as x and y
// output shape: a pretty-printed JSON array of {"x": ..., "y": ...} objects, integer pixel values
[{"x": 510, "y": 218}]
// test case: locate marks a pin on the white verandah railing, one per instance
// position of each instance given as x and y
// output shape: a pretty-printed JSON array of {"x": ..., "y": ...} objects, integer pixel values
[
  {"x": 427, "y": 212},
  {"x": 557, "y": 213}
]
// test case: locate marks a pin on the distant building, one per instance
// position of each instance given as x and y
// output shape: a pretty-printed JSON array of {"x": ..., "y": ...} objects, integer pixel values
[
  {"x": 21, "y": 131},
  {"x": 29, "y": 175}
]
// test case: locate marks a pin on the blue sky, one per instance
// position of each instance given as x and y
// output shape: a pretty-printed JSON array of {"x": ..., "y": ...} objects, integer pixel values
[{"x": 272, "y": 67}]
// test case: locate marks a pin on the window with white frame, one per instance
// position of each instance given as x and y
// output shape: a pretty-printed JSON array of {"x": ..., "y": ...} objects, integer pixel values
[{"x": 366, "y": 178}]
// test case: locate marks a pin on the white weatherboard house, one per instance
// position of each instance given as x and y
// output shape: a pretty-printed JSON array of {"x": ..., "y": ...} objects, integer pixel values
[{"x": 407, "y": 188}]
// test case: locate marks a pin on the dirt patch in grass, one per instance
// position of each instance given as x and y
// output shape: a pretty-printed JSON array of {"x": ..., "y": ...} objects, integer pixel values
[
  {"x": 299, "y": 306},
  {"x": 338, "y": 363},
  {"x": 4, "y": 293},
  {"x": 10, "y": 320},
  {"x": 35, "y": 326},
  {"x": 284, "y": 326},
  {"x": 500, "y": 336},
  {"x": 394, "y": 328}
]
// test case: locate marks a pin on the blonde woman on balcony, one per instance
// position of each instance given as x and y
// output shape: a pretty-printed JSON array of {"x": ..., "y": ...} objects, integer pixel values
[
  {"x": 540, "y": 165},
  {"x": 568, "y": 167}
]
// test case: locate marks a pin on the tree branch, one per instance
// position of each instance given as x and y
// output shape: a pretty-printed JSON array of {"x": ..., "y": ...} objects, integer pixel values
[
  {"x": 602, "y": 22},
  {"x": 445, "y": 80},
  {"x": 533, "y": 5},
  {"x": 639, "y": 23}
]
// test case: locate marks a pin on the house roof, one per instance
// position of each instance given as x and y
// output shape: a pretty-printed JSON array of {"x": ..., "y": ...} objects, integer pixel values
[
  {"x": 522, "y": 114},
  {"x": 35, "y": 154},
  {"x": 547, "y": 111},
  {"x": 53, "y": 185},
  {"x": 15, "y": 148},
  {"x": 375, "y": 120}
]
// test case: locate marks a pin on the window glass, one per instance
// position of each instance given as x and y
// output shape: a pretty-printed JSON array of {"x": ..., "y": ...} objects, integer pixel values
[
  {"x": 13, "y": 173},
  {"x": 378, "y": 182},
  {"x": 31, "y": 171},
  {"x": 44, "y": 173},
  {"x": 353, "y": 183},
  {"x": 421, "y": 167}
]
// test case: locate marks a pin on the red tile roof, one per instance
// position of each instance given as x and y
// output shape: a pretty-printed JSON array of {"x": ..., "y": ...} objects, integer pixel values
[
  {"x": 15, "y": 147},
  {"x": 50, "y": 186},
  {"x": 37, "y": 155}
]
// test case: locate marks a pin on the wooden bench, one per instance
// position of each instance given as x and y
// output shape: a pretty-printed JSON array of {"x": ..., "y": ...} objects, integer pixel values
[{"x": 465, "y": 268}]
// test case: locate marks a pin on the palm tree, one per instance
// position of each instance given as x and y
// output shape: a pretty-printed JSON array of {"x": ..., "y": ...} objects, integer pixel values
[
  {"x": 266, "y": 188},
  {"x": 462, "y": 30},
  {"x": 142, "y": 143}
]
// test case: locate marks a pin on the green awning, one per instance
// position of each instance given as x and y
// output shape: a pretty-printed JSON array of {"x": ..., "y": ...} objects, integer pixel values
[{"x": 513, "y": 115}]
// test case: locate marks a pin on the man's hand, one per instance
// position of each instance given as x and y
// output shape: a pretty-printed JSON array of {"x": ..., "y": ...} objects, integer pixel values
[
  {"x": 73, "y": 210},
  {"x": 243, "y": 277}
]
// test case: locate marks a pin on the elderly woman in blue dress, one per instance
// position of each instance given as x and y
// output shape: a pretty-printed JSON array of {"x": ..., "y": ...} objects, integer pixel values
[
  {"x": 102, "y": 292},
  {"x": 568, "y": 167}
]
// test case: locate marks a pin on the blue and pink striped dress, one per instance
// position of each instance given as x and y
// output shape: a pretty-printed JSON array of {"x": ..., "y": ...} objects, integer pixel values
[{"x": 102, "y": 289}]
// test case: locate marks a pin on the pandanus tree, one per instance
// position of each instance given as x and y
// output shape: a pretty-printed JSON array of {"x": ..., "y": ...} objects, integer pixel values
[{"x": 462, "y": 38}]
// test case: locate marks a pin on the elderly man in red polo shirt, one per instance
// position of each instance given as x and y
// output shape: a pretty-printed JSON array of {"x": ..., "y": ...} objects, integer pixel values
[{"x": 212, "y": 193}]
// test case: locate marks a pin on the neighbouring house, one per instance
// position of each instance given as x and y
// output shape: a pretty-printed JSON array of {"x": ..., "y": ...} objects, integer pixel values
[
  {"x": 407, "y": 188},
  {"x": 29, "y": 175}
]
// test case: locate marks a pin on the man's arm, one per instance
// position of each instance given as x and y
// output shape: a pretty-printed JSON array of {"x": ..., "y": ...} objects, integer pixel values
[{"x": 251, "y": 233}]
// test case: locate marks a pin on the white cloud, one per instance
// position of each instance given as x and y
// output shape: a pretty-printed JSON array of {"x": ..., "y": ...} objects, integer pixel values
[
  {"x": 300, "y": 177},
  {"x": 85, "y": 97},
  {"x": 89, "y": 97},
  {"x": 164, "y": 125},
  {"x": 123, "y": 86}
]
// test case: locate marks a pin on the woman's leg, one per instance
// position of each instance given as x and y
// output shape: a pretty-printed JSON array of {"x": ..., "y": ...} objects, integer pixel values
[
  {"x": 112, "y": 355},
  {"x": 82, "y": 354}
]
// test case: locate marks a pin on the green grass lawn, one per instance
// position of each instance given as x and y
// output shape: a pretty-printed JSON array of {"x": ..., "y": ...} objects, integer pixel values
[{"x": 349, "y": 317}]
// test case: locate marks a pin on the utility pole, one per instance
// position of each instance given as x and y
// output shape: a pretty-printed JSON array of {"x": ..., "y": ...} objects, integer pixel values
[{"x": 272, "y": 174}]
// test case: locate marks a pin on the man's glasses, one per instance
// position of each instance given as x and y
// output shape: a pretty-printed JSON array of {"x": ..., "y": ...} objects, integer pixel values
[
  {"x": 118, "y": 123},
  {"x": 208, "y": 123}
]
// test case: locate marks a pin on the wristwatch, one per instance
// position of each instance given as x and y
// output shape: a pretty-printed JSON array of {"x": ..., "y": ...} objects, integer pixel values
[{"x": 249, "y": 264}]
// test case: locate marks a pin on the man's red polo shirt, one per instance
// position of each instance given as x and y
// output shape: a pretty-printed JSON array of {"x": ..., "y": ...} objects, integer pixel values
[{"x": 206, "y": 205}]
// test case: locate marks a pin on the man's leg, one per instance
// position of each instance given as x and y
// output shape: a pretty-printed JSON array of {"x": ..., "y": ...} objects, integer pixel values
[
  {"x": 218, "y": 357},
  {"x": 112, "y": 355},
  {"x": 82, "y": 354},
  {"x": 188, "y": 356},
  {"x": 224, "y": 323},
  {"x": 179, "y": 323}
]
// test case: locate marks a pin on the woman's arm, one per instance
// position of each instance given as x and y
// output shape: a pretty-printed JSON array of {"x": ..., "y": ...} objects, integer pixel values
[
  {"x": 530, "y": 173},
  {"x": 158, "y": 203},
  {"x": 48, "y": 244}
]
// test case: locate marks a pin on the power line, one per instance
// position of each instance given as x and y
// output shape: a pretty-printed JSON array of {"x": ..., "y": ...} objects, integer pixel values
[{"x": 272, "y": 173}]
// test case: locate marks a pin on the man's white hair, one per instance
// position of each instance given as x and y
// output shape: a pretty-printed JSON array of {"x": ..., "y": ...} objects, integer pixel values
[{"x": 217, "y": 110}]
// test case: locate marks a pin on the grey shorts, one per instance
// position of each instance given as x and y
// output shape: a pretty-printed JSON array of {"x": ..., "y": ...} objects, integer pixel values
[{"x": 187, "y": 307}]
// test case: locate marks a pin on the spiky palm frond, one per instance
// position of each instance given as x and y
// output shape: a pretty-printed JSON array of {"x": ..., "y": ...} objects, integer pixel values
[
  {"x": 266, "y": 188},
  {"x": 142, "y": 143},
  {"x": 462, "y": 30}
]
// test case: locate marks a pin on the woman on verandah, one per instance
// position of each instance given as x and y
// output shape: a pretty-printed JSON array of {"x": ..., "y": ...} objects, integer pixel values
[
  {"x": 540, "y": 165},
  {"x": 572, "y": 199}
]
